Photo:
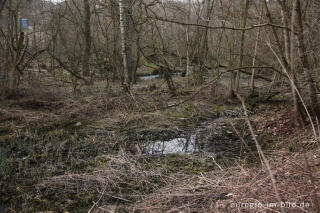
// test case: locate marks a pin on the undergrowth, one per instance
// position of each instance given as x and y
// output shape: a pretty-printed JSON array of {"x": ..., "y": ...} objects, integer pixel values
[{"x": 86, "y": 153}]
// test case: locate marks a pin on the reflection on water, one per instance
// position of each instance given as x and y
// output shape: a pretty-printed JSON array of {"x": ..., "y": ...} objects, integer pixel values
[
  {"x": 212, "y": 137},
  {"x": 177, "y": 145},
  {"x": 148, "y": 77},
  {"x": 153, "y": 77}
]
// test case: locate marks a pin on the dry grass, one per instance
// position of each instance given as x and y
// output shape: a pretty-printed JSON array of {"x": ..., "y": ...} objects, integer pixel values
[
  {"x": 238, "y": 187},
  {"x": 123, "y": 184},
  {"x": 122, "y": 179}
]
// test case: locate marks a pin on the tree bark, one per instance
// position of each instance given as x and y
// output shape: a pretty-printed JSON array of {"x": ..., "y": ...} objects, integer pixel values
[
  {"x": 87, "y": 35},
  {"x": 188, "y": 43},
  {"x": 13, "y": 80},
  {"x": 255, "y": 55},
  {"x": 130, "y": 35},
  {"x": 286, "y": 34},
  {"x": 305, "y": 62},
  {"x": 292, "y": 68},
  {"x": 2, "y": 4},
  {"x": 126, "y": 69},
  {"x": 245, "y": 5},
  {"x": 17, "y": 43},
  {"x": 235, "y": 76}
]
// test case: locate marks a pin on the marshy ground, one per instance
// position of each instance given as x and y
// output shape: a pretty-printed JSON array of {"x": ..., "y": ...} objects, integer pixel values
[{"x": 108, "y": 151}]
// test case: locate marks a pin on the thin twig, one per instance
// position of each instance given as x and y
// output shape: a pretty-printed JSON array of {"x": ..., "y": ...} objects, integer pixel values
[
  {"x": 96, "y": 203},
  {"x": 265, "y": 160}
]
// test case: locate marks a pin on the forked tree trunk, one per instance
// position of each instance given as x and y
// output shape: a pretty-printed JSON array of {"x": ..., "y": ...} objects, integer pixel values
[{"x": 18, "y": 51}]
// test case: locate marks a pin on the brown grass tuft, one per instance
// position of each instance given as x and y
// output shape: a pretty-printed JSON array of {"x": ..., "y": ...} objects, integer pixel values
[{"x": 238, "y": 187}]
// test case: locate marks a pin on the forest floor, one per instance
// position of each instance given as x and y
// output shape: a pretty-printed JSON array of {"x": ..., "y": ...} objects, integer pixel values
[{"x": 108, "y": 151}]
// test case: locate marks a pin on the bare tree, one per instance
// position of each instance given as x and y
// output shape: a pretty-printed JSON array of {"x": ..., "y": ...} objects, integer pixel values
[
  {"x": 87, "y": 35},
  {"x": 255, "y": 54},
  {"x": 305, "y": 62},
  {"x": 245, "y": 8},
  {"x": 284, "y": 61},
  {"x": 126, "y": 84},
  {"x": 17, "y": 43},
  {"x": 188, "y": 42}
]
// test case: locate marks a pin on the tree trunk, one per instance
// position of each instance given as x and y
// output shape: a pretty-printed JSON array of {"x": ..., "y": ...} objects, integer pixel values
[
  {"x": 255, "y": 55},
  {"x": 235, "y": 75},
  {"x": 115, "y": 73},
  {"x": 305, "y": 63},
  {"x": 126, "y": 69},
  {"x": 13, "y": 80},
  {"x": 137, "y": 65},
  {"x": 87, "y": 35},
  {"x": 296, "y": 109},
  {"x": 204, "y": 42},
  {"x": 290, "y": 55},
  {"x": 130, "y": 35},
  {"x": 245, "y": 8},
  {"x": 2, "y": 4},
  {"x": 286, "y": 34},
  {"x": 17, "y": 47},
  {"x": 288, "y": 67},
  {"x": 188, "y": 43}
]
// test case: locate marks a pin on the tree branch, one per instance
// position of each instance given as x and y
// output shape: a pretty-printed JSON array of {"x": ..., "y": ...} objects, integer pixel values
[{"x": 218, "y": 27}]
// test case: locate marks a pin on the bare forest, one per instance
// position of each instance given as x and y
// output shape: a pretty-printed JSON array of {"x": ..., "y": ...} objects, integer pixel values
[{"x": 159, "y": 106}]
